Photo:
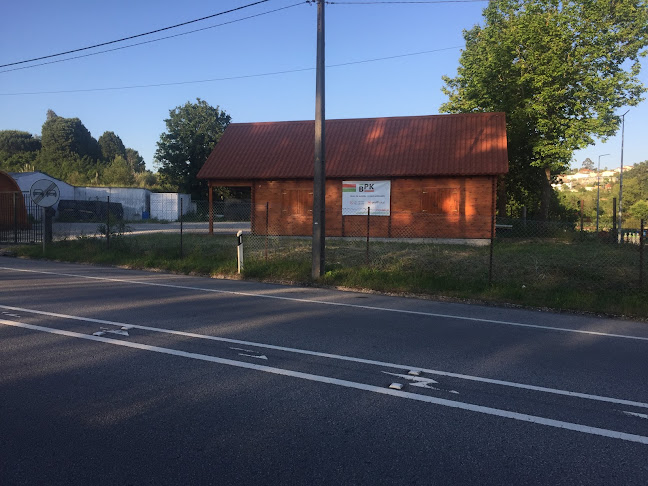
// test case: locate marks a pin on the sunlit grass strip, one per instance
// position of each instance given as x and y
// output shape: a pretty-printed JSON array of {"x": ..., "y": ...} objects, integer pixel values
[{"x": 575, "y": 275}]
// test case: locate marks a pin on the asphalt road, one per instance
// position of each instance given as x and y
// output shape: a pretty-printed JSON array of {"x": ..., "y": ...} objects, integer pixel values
[{"x": 110, "y": 376}]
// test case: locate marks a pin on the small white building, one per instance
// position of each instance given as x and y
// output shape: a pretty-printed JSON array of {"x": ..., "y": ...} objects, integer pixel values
[
  {"x": 137, "y": 203},
  {"x": 166, "y": 206},
  {"x": 134, "y": 201}
]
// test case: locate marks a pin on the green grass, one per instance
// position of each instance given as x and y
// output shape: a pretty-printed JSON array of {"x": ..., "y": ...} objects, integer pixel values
[{"x": 567, "y": 274}]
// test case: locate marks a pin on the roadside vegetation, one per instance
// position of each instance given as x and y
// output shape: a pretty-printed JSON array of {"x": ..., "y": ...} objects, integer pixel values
[{"x": 572, "y": 274}]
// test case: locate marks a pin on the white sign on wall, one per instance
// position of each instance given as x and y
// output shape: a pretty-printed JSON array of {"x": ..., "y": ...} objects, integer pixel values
[{"x": 357, "y": 196}]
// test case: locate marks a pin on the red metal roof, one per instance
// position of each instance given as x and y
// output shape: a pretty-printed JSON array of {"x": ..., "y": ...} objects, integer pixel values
[{"x": 436, "y": 145}]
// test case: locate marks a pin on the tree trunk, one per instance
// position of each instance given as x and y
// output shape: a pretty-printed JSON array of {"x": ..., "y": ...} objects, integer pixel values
[{"x": 547, "y": 190}]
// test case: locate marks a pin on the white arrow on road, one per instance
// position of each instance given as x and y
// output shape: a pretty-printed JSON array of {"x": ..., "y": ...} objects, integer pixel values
[
  {"x": 259, "y": 356},
  {"x": 121, "y": 332},
  {"x": 420, "y": 381}
]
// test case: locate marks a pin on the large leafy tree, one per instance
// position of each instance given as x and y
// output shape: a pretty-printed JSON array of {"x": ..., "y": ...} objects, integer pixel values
[
  {"x": 67, "y": 148},
  {"x": 18, "y": 150},
  {"x": 119, "y": 173},
  {"x": 192, "y": 131},
  {"x": 68, "y": 135},
  {"x": 559, "y": 70},
  {"x": 135, "y": 160},
  {"x": 111, "y": 146}
]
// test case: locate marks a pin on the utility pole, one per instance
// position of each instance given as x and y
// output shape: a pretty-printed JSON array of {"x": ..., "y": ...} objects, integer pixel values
[
  {"x": 621, "y": 178},
  {"x": 319, "y": 181},
  {"x": 598, "y": 190}
]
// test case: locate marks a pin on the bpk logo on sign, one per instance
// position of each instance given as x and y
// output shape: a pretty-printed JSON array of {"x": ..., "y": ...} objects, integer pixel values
[{"x": 366, "y": 187}]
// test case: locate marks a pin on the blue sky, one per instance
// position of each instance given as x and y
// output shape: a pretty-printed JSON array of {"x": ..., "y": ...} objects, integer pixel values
[{"x": 279, "y": 41}]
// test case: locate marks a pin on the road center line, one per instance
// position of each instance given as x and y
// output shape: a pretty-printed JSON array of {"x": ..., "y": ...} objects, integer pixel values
[
  {"x": 337, "y": 304},
  {"x": 348, "y": 384},
  {"x": 339, "y": 357}
]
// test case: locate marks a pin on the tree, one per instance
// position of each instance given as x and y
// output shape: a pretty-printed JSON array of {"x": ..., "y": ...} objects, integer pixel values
[
  {"x": 119, "y": 173},
  {"x": 67, "y": 147},
  {"x": 111, "y": 146},
  {"x": 588, "y": 164},
  {"x": 639, "y": 210},
  {"x": 559, "y": 70},
  {"x": 15, "y": 141},
  {"x": 135, "y": 160},
  {"x": 18, "y": 150},
  {"x": 146, "y": 179},
  {"x": 192, "y": 132}
]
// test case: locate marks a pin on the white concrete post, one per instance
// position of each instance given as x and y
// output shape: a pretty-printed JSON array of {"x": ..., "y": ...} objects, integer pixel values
[{"x": 239, "y": 250}]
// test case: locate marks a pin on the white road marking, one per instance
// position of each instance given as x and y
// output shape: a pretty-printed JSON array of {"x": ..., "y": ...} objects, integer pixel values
[
  {"x": 420, "y": 382},
  {"x": 243, "y": 349},
  {"x": 635, "y": 414},
  {"x": 382, "y": 364},
  {"x": 105, "y": 330},
  {"x": 337, "y": 304},
  {"x": 258, "y": 356},
  {"x": 415, "y": 378},
  {"x": 261, "y": 356},
  {"x": 613, "y": 434}
]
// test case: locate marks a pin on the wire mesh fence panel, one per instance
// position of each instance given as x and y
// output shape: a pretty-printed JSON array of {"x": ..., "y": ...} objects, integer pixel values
[
  {"x": 539, "y": 256},
  {"x": 440, "y": 250}
]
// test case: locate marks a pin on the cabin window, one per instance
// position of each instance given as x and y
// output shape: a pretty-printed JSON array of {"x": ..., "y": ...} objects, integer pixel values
[
  {"x": 440, "y": 200},
  {"x": 297, "y": 202}
]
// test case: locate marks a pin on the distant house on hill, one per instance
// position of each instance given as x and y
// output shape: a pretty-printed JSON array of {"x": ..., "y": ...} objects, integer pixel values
[{"x": 423, "y": 176}]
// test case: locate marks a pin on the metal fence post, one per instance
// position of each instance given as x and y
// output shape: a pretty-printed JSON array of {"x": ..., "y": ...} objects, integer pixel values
[
  {"x": 15, "y": 217},
  {"x": 614, "y": 236},
  {"x": 368, "y": 230},
  {"x": 181, "y": 211},
  {"x": 43, "y": 227},
  {"x": 266, "y": 230},
  {"x": 524, "y": 216},
  {"x": 108, "y": 224},
  {"x": 641, "y": 254},
  {"x": 490, "y": 257}
]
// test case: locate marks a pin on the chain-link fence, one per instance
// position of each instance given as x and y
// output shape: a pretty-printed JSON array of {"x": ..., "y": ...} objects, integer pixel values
[
  {"x": 451, "y": 251},
  {"x": 459, "y": 251},
  {"x": 172, "y": 225}
]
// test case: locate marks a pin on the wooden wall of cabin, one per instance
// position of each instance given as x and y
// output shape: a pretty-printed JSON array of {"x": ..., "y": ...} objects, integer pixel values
[{"x": 438, "y": 207}]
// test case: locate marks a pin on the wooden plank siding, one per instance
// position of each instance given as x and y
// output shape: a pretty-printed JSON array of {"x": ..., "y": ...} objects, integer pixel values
[{"x": 432, "y": 207}]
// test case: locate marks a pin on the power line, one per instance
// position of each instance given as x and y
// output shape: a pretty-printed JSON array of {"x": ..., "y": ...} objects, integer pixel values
[
  {"x": 229, "y": 78},
  {"x": 134, "y": 36},
  {"x": 377, "y": 2},
  {"x": 154, "y": 40}
]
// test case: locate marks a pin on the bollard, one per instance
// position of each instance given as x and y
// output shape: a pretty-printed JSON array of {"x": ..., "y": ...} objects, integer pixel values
[{"x": 239, "y": 250}]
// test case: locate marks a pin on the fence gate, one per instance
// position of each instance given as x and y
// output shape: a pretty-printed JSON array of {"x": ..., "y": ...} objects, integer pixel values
[{"x": 21, "y": 221}]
